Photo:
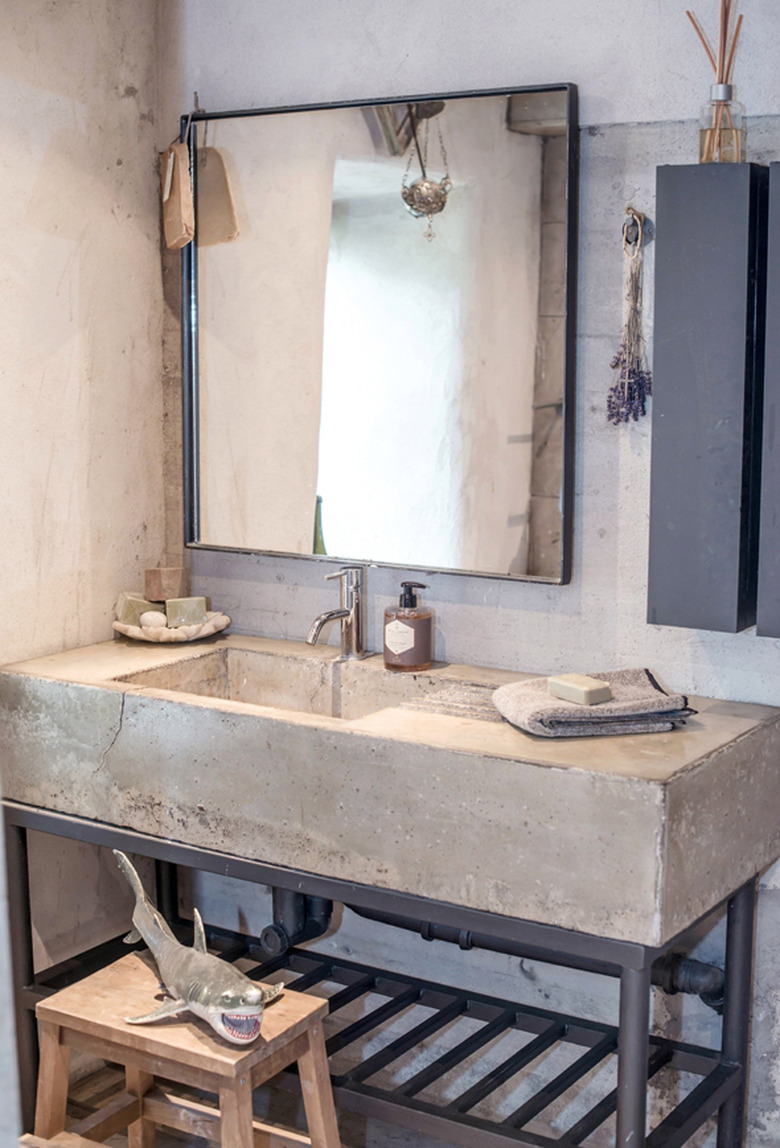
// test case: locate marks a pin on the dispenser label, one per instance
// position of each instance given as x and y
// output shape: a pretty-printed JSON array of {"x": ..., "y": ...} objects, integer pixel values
[{"x": 399, "y": 637}]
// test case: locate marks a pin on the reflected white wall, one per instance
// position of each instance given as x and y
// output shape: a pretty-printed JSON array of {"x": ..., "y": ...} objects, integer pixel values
[
  {"x": 429, "y": 353},
  {"x": 391, "y": 458}
]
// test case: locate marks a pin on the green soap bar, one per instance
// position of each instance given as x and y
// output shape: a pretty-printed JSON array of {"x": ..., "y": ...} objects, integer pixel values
[
  {"x": 579, "y": 688},
  {"x": 130, "y": 605},
  {"x": 185, "y": 611}
]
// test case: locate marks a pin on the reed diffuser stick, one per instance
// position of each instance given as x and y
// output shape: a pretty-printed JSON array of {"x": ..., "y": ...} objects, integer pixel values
[
  {"x": 704, "y": 41},
  {"x": 721, "y": 139},
  {"x": 732, "y": 50}
]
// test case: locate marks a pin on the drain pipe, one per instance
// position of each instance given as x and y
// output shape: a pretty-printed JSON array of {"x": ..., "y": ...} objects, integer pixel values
[
  {"x": 297, "y": 918},
  {"x": 672, "y": 973},
  {"x": 466, "y": 939},
  {"x": 676, "y": 973}
]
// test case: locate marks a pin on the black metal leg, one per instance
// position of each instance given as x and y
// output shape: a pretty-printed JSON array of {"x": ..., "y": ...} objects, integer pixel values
[
  {"x": 166, "y": 880},
  {"x": 22, "y": 967},
  {"x": 632, "y": 1057},
  {"x": 737, "y": 1008}
]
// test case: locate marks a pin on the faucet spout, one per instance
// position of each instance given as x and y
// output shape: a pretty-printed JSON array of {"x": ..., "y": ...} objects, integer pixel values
[
  {"x": 322, "y": 620},
  {"x": 350, "y": 612}
]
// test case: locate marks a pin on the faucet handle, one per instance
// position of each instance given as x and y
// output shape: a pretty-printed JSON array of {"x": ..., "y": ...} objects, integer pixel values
[{"x": 344, "y": 572}]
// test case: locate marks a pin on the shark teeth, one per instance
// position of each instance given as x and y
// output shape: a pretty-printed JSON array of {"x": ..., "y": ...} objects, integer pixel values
[{"x": 241, "y": 1027}]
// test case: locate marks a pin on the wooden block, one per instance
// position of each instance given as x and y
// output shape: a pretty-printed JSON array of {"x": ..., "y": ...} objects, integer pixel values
[
  {"x": 185, "y": 611},
  {"x": 163, "y": 582}
]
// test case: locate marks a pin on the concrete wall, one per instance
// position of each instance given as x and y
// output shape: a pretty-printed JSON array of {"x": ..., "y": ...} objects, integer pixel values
[
  {"x": 80, "y": 293},
  {"x": 649, "y": 70},
  {"x": 642, "y": 76},
  {"x": 80, "y": 338},
  {"x": 85, "y": 509}
]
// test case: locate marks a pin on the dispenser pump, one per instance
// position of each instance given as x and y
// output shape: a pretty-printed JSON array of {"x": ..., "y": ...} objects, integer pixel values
[{"x": 408, "y": 597}]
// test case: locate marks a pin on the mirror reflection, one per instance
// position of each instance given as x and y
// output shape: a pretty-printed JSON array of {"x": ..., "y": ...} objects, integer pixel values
[{"x": 381, "y": 337}]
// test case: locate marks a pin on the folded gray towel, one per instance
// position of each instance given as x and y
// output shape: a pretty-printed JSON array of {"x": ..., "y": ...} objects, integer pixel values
[{"x": 638, "y": 705}]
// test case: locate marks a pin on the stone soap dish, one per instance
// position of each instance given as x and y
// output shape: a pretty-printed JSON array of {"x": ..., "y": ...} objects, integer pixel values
[{"x": 215, "y": 621}]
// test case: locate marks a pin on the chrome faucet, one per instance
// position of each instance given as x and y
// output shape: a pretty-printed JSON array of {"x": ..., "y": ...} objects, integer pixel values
[{"x": 350, "y": 612}]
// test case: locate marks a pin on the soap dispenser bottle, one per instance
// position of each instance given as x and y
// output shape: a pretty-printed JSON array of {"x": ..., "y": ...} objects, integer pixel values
[{"x": 408, "y": 632}]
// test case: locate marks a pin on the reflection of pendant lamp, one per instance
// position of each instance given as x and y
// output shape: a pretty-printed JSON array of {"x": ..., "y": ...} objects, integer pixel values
[{"x": 426, "y": 196}]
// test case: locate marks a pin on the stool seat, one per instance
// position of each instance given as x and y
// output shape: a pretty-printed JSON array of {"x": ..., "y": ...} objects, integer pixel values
[{"x": 90, "y": 1016}]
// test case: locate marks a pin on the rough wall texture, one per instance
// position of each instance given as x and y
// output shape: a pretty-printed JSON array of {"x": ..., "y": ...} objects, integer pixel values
[
  {"x": 80, "y": 295},
  {"x": 81, "y": 341},
  {"x": 80, "y": 346},
  {"x": 651, "y": 74}
]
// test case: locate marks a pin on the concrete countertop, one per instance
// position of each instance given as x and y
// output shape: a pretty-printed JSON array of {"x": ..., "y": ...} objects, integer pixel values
[{"x": 631, "y": 837}]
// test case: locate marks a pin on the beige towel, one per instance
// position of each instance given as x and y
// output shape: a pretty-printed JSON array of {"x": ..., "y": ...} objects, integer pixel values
[
  {"x": 217, "y": 222},
  {"x": 176, "y": 188},
  {"x": 638, "y": 705}
]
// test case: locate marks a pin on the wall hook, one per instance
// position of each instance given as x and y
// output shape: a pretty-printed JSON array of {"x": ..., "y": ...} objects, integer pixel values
[{"x": 637, "y": 231}]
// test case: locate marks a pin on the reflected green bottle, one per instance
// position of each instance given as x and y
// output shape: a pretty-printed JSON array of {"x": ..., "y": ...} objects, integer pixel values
[{"x": 318, "y": 546}]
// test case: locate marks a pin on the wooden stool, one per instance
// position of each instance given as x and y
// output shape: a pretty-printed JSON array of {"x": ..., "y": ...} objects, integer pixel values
[{"x": 89, "y": 1015}]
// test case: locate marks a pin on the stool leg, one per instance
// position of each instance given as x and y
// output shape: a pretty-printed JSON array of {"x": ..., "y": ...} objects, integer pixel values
[
  {"x": 52, "y": 1093},
  {"x": 141, "y": 1133},
  {"x": 235, "y": 1111},
  {"x": 317, "y": 1093}
]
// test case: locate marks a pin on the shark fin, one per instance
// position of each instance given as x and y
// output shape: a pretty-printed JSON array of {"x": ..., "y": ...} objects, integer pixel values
[
  {"x": 271, "y": 992},
  {"x": 199, "y": 940},
  {"x": 132, "y": 937},
  {"x": 170, "y": 1008}
]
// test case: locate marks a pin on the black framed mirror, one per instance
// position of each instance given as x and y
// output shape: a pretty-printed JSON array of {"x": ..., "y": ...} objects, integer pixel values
[{"x": 378, "y": 332}]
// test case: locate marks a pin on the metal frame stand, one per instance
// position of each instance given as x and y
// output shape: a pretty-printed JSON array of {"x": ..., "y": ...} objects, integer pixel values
[{"x": 723, "y": 1072}]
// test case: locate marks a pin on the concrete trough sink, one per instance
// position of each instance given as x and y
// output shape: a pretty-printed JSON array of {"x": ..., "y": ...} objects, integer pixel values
[{"x": 279, "y": 752}]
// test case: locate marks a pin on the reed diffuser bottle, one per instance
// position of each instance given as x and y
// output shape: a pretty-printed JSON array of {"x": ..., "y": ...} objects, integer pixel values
[
  {"x": 722, "y": 120},
  {"x": 722, "y": 127}
]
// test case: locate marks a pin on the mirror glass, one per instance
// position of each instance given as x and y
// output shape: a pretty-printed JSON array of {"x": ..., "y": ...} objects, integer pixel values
[{"x": 379, "y": 317}]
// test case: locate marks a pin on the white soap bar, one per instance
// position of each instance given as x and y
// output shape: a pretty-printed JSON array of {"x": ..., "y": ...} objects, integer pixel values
[{"x": 579, "y": 688}]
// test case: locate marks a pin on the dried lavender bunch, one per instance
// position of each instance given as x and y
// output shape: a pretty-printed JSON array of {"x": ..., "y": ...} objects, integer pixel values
[{"x": 627, "y": 398}]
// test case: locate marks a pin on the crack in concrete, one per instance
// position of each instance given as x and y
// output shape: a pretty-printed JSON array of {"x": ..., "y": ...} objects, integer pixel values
[
  {"x": 112, "y": 743},
  {"x": 324, "y": 670}
]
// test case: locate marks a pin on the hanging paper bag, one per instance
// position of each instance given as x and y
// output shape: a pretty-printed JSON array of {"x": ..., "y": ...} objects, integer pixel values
[
  {"x": 177, "y": 206},
  {"x": 217, "y": 222}
]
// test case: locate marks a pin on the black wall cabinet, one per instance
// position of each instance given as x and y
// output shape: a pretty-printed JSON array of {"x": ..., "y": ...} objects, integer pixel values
[
  {"x": 768, "y": 618},
  {"x": 707, "y": 391}
]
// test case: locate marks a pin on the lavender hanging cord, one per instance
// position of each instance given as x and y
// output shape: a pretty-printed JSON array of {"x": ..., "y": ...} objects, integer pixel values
[{"x": 628, "y": 394}]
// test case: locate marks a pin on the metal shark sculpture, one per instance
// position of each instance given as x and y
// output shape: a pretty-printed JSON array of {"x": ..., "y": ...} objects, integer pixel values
[{"x": 195, "y": 979}]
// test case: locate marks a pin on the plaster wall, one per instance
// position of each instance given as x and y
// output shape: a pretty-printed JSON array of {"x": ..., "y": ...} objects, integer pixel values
[
  {"x": 80, "y": 339},
  {"x": 84, "y": 505},
  {"x": 642, "y": 77},
  {"x": 80, "y": 293}
]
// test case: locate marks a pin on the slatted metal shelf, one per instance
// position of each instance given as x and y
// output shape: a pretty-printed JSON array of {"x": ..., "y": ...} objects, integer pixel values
[{"x": 385, "y": 1061}]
